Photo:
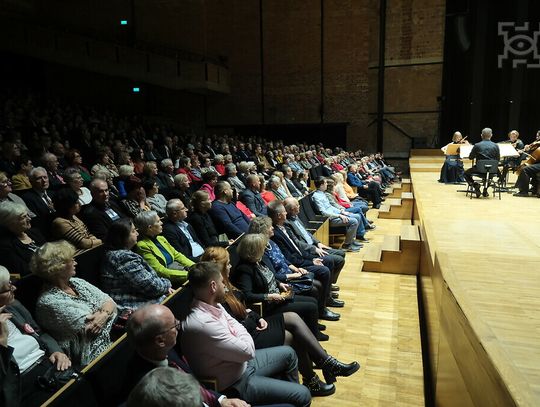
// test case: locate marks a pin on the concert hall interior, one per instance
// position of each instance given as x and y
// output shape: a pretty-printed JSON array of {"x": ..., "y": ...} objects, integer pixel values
[{"x": 269, "y": 203}]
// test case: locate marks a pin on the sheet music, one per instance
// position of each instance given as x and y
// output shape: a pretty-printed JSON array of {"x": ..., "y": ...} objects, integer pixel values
[{"x": 506, "y": 149}]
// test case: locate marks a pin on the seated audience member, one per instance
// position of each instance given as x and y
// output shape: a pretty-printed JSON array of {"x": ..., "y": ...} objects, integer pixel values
[
  {"x": 274, "y": 185},
  {"x": 20, "y": 180},
  {"x": 153, "y": 197},
  {"x": 74, "y": 160},
  {"x": 26, "y": 352},
  {"x": 6, "y": 195},
  {"x": 152, "y": 330},
  {"x": 219, "y": 165},
  {"x": 285, "y": 259},
  {"x": 102, "y": 211},
  {"x": 182, "y": 189},
  {"x": 265, "y": 191},
  {"x": 157, "y": 251},
  {"x": 369, "y": 190},
  {"x": 126, "y": 276},
  {"x": 300, "y": 180},
  {"x": 201, "y": 221},
  {"x": 126, "y": 172},
  {"x": 210, "y": 179},
  {"x": 278, "y": 329},
  {"x": 39, "y": 201},
  {"x": 105, "y": 163},
  {"x": 18, "y": 240},
  {"x": 10, "y": 152},
  {"x": 50, "y": 163},
  {"x": 255, "y": 276},
  {"x": 166, "y": 387},
  {"x": 232, "y": 178},
  {"x": 150, "y": 171},
  {"x": 343, "y": 198},
  {"x": 226, "y": 216},
  {"x": 67, "y": 225},
  {"x": 179, "y": 233},
  {"x": 105, "y": 176},
  {"x": 75, "y": 182},
  {"x": 77, "y": 314},
  {"x": 293, "y": 189},
  {"x": 251, "y": 196},
  {"x": 135, "y": 201},
  {"x": 216, "y": 345},
  {"x": 165, "y": 177},
  {"x": 336, "y": 216}
]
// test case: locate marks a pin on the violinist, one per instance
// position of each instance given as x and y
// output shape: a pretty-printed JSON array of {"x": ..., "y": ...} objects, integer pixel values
[
  {"x": 452, "y": 169},
  {"x": 512, "y": 162},
  {"x": 528, "y": 172}
]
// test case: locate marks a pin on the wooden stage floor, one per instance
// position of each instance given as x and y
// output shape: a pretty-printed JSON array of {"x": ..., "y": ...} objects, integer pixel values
[{"x": 483, "y": 308}]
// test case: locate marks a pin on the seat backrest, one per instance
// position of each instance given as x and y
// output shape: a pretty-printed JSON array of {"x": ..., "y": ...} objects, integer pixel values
[
  {"x": 90, "y": 264},
  {"x": 307, "y": 207},
  {"x": 180, "y": 303},
  {"x": 233, "y": 253},
  {"x": 487, "y": 166},
  {"x": 74, "y": 393},
  {"x": 28, "y": 290},
  {"x": 108, "y": 372}
]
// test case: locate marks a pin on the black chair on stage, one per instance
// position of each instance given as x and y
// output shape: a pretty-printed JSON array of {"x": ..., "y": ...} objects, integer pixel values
[{"x": 488, "y": 172}]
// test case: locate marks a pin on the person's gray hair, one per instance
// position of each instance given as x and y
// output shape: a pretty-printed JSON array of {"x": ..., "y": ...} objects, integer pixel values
[
  {"x": 144, "y": 220},
  {"x": 35, "y": 170},
  {"x": 172, "y": 204},
  {"x": 165, "y": 386},
  {"x": 94, "y": 183},
  {"x": 165, "y": 162},
  {"x": 487, "y": 133},
  {"x": 71, "y": 174},
  {"x": 260, "y": 224},
  {"x": 4, "y": 276},
  {"x": 274, "y": 179},
  {"x": 252, "y": 246},
  {"x": 10, "y": 211},
  {"x": 219, "y": 158},
  {"x": 126, "y": 170},
  {"x": 103, "y": 175},
  {"x": 230, "y": 167},
  {"x": 46, "y": 157},
  {"x": 289, "y": 202}
]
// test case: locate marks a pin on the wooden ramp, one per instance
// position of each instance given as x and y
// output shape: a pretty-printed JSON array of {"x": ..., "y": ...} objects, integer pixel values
[{"x": 397, "y": 254}]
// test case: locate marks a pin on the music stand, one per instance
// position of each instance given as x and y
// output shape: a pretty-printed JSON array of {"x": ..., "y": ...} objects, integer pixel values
[
  {"x": 507, "y": 150},
  {"x": 453, "y": 149}
]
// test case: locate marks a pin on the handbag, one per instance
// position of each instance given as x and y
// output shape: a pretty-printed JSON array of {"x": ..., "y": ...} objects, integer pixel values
[
  {"x": 303, "y": 284},
  {"x": 53, "y": 379}
]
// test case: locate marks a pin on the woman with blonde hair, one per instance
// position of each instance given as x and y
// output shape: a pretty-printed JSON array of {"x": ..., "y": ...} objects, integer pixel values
[{"x": 77, "y": 314}]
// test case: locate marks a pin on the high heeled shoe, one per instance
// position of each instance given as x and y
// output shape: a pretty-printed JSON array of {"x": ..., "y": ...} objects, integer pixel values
[
  {"x": 318, "y": 388},
  {"x": 332, "y": 367}
]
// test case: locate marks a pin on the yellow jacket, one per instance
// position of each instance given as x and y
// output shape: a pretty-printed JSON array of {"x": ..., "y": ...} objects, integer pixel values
[{"x": 151, "y": 253}]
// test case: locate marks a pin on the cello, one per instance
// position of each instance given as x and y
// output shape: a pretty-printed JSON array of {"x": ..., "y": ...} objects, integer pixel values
[{"x": 532, "y": 158}]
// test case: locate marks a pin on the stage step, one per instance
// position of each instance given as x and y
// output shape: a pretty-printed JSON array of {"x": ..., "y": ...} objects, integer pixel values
[
  {"x": 396, "y": 254},
  {"x": 422, "y": 152},
  {"x": 397, "y": 208}
]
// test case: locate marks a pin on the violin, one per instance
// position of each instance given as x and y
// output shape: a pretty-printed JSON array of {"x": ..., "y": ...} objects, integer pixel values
[{"x": 533, "y": 158}]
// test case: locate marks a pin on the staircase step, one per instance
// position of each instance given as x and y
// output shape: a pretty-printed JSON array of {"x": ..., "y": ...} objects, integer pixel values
[
  {"x": 384, "y": 208},
  {"x": 371, "y": 252},
  {"x": 407, "y": 195},
  {"x": 392, "y": 202},
  {"x": 410, "y": 233},
  {"x": 390, "y": 243}
]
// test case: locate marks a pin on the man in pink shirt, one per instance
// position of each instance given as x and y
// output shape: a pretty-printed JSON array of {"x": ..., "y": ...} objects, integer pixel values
[{"x": 216, "y": 345}]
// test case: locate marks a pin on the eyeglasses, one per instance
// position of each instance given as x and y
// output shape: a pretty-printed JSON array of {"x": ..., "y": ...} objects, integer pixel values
[
  {"x": 176, "y": 326},
  {"x": 10, "y": 289},
  {"x": 5, "y": 183}
]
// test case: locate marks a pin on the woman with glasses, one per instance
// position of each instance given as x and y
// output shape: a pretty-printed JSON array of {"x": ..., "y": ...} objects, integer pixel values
[
  {"x": 157, "y": 251},
  {"x": 126, "y": 276},
  {"x": 26, "y": 352},
  {"x": 18, "y": 240},
  {"x": 76, "y": 313},
  {"x": 75, "y": 181}
]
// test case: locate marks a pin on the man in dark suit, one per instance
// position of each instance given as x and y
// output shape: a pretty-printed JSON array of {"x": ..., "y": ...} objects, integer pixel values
[
  {"x": 165, "y": 177},
  {"x": 39, "y": 201},
  {"x": 251, "y": 196},
  {"x": 153, "y": 330},
  {"x": 101, "y": 212},
  {"x": 299, "y": 254},
  {"x": 50, "y": 162},
  {"x": 287, "y": 171},
  {"x": 226, "y": 216},
  {"x": 179, "y": 233},
  {"x": 315, "y": 247},
  {"x": 484, "y": 150}
]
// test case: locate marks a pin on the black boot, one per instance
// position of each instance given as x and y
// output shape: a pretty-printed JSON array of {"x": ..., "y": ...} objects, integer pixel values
[
  {"x": 318, "y": 388},
  {"x": 332, "y": 367}
]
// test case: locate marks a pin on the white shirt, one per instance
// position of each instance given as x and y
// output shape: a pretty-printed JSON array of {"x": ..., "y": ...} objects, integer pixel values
[{"x": 26, "y": 350}]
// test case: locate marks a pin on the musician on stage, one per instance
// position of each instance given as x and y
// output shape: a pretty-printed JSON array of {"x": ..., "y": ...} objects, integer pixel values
[
  {"x": 529, "y": 171},
  {"x": 452, "y": 169},
  {"x": 484, "y": 150},
  {"x": 511, "y": 163}
]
